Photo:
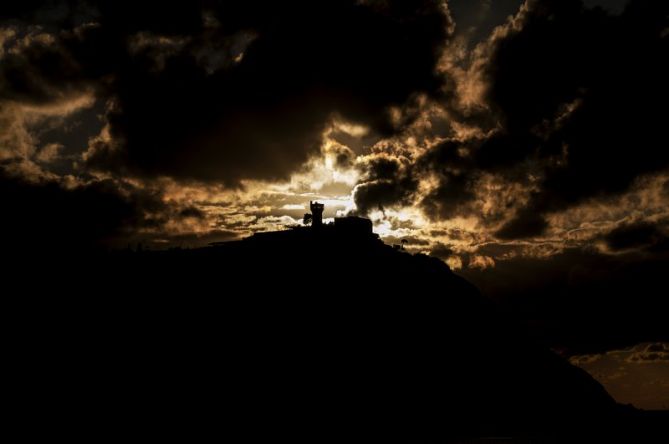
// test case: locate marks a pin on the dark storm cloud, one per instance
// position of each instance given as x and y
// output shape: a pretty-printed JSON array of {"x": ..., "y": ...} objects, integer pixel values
[
  {"x": 207, "y": 90},
  {"x": 477, "y": 18},
  {"x": 611, "y": 70},
  {"x": 526, "y": 223},
  {"x": 641, "y": 235},
  {"x": 386, "y": 181},
  {"x": 66, "y": 215},
  {"x": 192, "y": 212},
  {"x": 441, "y": 251},
  {"x": 344, "y": 157},
  {"x": 48, "y": 214},
  {"x": 40, "y": 68},
  {"x": 454, "y": 173},
  {"x": 577, "y": 97},
  {"x": 222, "y": 91}
]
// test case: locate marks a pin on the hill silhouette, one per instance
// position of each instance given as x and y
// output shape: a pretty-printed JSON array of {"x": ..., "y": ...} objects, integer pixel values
[{"x": 306, "y": 335}]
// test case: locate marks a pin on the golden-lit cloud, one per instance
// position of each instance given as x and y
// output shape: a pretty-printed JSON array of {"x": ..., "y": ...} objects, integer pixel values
[{"x": 448, "y": 168}]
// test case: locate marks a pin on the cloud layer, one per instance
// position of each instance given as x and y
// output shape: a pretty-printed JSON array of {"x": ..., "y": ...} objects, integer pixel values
[
  {"x": 221, "y": 92},
  {"x": 500, "y": 137},
  {"x": 562, "y": 104}
]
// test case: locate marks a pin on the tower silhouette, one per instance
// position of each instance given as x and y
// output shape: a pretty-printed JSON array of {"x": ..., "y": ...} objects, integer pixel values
[{"x": 317, "y": 212}]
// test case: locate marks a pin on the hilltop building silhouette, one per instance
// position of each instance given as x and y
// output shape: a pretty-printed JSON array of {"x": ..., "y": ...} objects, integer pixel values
[
  {"x": 316, "y": 214},
  {"x": 343, "y": 225},
  {"x": 347, "y": 227},
  {"x": 353, "y": 225}
]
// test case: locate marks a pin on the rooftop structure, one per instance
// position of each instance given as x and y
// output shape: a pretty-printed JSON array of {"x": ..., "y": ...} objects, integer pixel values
[{"x": 316, "y": 214}]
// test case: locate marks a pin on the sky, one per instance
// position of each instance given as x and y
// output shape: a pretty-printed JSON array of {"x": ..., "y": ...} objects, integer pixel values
[
  {"x": 635, "y": 375},
  {"x": 523, "y": 143}
]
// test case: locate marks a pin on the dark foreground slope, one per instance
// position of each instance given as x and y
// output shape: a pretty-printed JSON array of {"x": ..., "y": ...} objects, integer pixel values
[{"x": 302, "y": 336}]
